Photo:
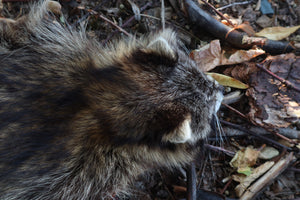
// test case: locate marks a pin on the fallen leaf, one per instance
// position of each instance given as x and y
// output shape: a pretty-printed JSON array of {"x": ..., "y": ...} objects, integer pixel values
[
  {"x": 241, "y": 56},
  {"x": 245, "y": 158},
  {"x": 244, "y": 170},
  {"x": 207, "y": 57},
  {"x": 211, "y": 55},
  {"x": 268, "y": 153},
  {"x": 228, "y": 81},
  {"x": 277, "y": 33},
  {"x": 264, "y": 21}
]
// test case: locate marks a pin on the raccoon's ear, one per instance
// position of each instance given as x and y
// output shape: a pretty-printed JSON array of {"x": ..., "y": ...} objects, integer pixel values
[
  {"x": 182, "y": 134},
  {"x": 165, "y": 43}
]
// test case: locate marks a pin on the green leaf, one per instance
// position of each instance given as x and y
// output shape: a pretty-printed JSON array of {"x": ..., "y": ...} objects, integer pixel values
[{"x": 245, "y": 170}]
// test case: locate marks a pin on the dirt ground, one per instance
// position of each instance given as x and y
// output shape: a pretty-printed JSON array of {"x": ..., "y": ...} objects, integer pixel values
[{"x": 216, "y": 178}]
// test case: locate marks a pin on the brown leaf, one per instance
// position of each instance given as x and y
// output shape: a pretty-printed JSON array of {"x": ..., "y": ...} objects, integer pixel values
[
  {"x": 241, "y": 56},
  {"x": 208, "y": 57},
  {"x": 245, "y": 158}
]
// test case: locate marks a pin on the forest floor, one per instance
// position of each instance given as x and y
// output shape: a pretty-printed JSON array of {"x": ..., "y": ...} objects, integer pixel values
[{"x": 257, "y": 148}]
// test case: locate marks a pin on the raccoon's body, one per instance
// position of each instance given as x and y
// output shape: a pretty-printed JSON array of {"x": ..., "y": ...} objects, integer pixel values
[{"x": 78, "y": 121}]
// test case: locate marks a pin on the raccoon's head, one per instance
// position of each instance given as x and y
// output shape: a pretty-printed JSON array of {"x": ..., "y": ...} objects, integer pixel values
[{"x": 153, "y": 93}]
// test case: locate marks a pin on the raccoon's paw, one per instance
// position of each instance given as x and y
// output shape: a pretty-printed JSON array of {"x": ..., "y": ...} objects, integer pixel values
[{"x": 182, "y": 134}]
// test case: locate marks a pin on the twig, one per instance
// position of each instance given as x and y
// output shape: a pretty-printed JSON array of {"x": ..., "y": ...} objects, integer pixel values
[
  {"x": 165, "y": 186},
  {"x": 191, "y": 182},
  {"x": 235, "y": 4},
  {"x": 292, "y": 12},
  {"x": 127, "y": 22},
  {"x": 289, "y": 84},
  {"x": 235, "y": 110},
  {"x": 254, "y": 134},
  {"x": 269, "y": 129},
  {"x": 227, "y": 152},
  {"x": 294, "y": 169},
  {"x": 218, "y": 12},
  {"x": 90, "y": 12},
  {"x": 266, "y": 179},
  {"x": 132, "y": 18},
  {"x": 116, "y": 26},
  {"x": 173, "y": 24},
  {"x": 226, "y": 186}
]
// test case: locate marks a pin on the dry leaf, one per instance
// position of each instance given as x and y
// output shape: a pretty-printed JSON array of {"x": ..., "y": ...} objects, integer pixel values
[
  {"x": 228, "y": 81},
  {"x": 264, "y": 21},
  {"x": 245, "y": 158},
  {"x": 277, "y": 33},
  {"x": 208, "y": 57},
  {"x": 268, "y": 153},
  {"x": 241, "y": 56}
]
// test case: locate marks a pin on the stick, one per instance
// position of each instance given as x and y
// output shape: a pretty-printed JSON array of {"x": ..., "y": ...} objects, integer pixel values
[
  {"x": 254, "y": 134},
  {"x": 274, "y": 172},
  {"x": 235, "y": 4},
  {"x": 127, "y": 22},
  {"x": 116, "y": 26},
  {"x": 204, "y": 21},
  {"x": 227, "y": 152},
  {"x": 191, "y": 182}
]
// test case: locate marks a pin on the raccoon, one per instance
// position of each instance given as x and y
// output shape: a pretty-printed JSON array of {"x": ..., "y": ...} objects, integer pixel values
[{"x": 82, "y": 121}]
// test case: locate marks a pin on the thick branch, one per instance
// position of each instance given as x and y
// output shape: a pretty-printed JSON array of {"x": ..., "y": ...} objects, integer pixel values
[{"x": 206, "y": 22}]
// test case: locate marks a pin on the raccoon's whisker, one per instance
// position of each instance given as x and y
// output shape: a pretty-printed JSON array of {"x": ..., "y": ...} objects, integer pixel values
[
  {"x": 219, "y": 130},
  {"x": 183, "y": 47}
]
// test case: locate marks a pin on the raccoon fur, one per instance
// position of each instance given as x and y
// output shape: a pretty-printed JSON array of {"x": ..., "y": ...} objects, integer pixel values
[{"x": 82, "y": 121}]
